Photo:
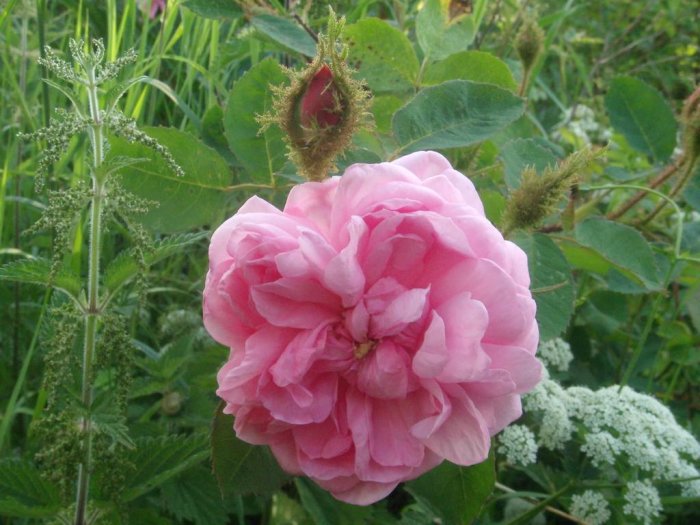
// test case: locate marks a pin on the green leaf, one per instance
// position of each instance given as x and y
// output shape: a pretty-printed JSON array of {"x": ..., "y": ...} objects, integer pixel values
[
  {"x": 214, "y": 8},
  {"x": 24, "y": 493},
  {"x": 622, "y": 246},
  {"x": 286, "y": 33},
  {"x": 382, "y": 54},
  {"x": 241, "y": 468},
  {"x": 192, "y": 496},
  {"x": 213, "y": 133},
  {"x": 454, "y": 114},
  {"x": 124, "y": 267},
  {"x": 383, "y": 109},
  {"x": 159, "y": 459},
  {"x": 38, "y": 271},
  {"x": 324, "y": 509},
  {"x": 476, "y": 66},
  {"x": 439, "y": 36},
  {"x": 643, "y": 116},
  {"x": 193, "y": 200},
  {"x": 262, "y": 154},
  {"x": 521, "y": 153},
  {"x": 455, "y": 493},
  {"x": 551, "y": 283}
]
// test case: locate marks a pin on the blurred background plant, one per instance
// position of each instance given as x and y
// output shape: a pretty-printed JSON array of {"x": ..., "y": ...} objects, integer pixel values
[{"x": 615, "y": 265}]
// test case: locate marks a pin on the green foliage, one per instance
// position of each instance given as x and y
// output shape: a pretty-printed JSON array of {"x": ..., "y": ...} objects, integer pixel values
[
  {"x": 454, "y": 114},
  {"x": 23, "y": 493},
  {"x": 286, "y": 33},
  {"x": 476, "y": 66},
  {"x": 456, "y": 494},
  {"x": 262, "y": 154},
  {"x": 552, "y": 283},
  {"x": 186, "y": 202},
  {"x": 641, "y": 114},
  {"x": 241, "y": 468}
]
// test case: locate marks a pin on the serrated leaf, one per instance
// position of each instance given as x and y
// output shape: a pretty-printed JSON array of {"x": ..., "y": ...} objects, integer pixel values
[
  {"x": 159, "y": 459},
  {"x": 193, "y": 200},
  {"x": 438, "y": 35},
  {"x": 454, "y": 114},
  {"x": 214, "y": 8},
  {"x": 622, "y": 246},
  {"x": 521, "y": 153},
  {"x": 286, "y": 33},
  {"x": 382, "y": 54},
  {"x": 38, "y": 271},
  {"x": 24, "y": 493},
  {"x": 476, "y": 66},
  {"x": 193, "y": 496},
  {"x": 124, "y": 267},
  {"x": 643, "y": 116},
  {"x": 324, "y": 509},
  {"x": 241, "y": 468},
  {"x": 551, "y": 283},
  {"x": 261, "y": 154},
  {"x": 455, "y": 493}
]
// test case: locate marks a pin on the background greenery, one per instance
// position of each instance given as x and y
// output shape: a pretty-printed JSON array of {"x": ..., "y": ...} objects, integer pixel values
[{"x": 624, "y": 291}]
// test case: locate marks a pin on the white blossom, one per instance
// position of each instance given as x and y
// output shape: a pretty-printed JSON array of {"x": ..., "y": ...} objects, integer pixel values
[
  {"x": 556, "y": 353},
  {"x": 591, "y": 507},
  {"x": 642, "y": 501},
  {"x": 517, "y": 443},
  {"x": 601, "y": 448}
]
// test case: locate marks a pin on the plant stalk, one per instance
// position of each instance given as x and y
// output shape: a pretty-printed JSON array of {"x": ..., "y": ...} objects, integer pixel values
[{"x": 92, "y": 311}]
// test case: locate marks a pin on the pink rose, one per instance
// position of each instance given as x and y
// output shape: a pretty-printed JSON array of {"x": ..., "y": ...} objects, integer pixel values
[{"x": 378, "y": 325}]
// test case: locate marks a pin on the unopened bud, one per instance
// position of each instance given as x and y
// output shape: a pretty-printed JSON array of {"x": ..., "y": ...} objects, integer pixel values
[
  {"x": 529, "y": 42},
  {"x": 321, "y": 108},
  {"x": 171, "y": 403},
  {"x": 321, "y": 104}
]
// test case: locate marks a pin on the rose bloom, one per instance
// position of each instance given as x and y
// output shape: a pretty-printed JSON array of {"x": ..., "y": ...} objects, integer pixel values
[{"x": 379, "y": 325}]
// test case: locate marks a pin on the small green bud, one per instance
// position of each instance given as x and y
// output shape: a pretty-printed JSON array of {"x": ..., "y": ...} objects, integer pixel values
[
  {"x": 171, "y": 403},
  {"x": 537, "y": 195},
  {"x": 529, "y": 42}
]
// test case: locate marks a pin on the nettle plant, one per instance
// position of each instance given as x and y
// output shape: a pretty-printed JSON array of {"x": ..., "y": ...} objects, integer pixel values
[{"x": 83, "y": 437}]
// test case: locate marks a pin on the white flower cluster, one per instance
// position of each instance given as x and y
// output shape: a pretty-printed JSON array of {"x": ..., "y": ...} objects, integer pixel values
[
  {"x": 556, "y": 354},
  {"x": 618, "y": 427},
  {"x": 517, "y": 443},
  {"x": 642, "y": 501},
  {"x": 591, "y": 507},
  {"x": 580, "y": 121}
]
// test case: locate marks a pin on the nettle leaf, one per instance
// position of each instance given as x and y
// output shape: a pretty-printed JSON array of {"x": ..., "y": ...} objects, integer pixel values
[
  {"x": 214, "y": 8},
  {"x": 124, "y": 267},
  {"x": 38, "y": 271},
  {"x": 382, "y": 54},
  {"x": 159, "y": 459},
  {"x": 24, "y": 493},
  {"x": 455, "y": 493},
  {"x": 520, "y": 153},
  {"x": 476, "y": 66},
  {"x": 241, "y": 468},
  {"x": 551, "y": 283},
  {"x": 454, "y": 114},
  {"x": 193, "y": 496},
  {"x": 643, "y": 116},
  {"x": 324, "y": 509},
  {"x": 262, "y": 154},
  {"x": 193, "y": 200},
  {"x": 600, "y": 246},
  {"x": 286, "y": 33},
  {"x": 438, "y": 35}
]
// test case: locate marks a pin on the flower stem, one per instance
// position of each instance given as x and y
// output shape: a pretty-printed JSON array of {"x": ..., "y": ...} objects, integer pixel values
[{"x": 92, "y": 311}]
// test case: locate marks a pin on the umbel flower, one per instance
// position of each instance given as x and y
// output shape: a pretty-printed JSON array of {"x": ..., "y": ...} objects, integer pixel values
[{"x": 378, "y": 325}]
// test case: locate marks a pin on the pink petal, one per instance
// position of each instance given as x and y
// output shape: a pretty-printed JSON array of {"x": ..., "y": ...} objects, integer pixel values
[
  {"x": 295, "y": 303},
  {"x": 383, "y": 373}
]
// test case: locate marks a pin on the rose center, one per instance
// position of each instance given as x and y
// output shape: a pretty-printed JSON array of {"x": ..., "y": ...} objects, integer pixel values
[{"x": 362, "y": 349}]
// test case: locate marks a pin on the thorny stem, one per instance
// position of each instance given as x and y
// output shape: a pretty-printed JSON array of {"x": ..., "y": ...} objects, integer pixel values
[
  {"x": 548, "y": 508},
  {"x": 95, "y": 130},
  {"x": 680, "y": 184}
]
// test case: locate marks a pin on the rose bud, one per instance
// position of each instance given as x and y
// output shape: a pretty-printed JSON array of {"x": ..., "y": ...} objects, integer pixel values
[{"x": 320, "y": 105}]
